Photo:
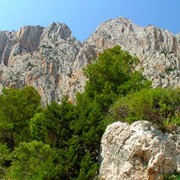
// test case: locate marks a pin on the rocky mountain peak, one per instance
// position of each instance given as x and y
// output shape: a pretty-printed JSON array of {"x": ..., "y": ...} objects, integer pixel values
[
  {"x": 28, "y": 39},
  {"x": 55, "y": 34},
  {"x": 122, "y": 31},
  {"x": 158, "y": 50},
  {"x": 119, "y": 20},
  {"x": 58, "y": 30},
  {"x": 51, "y": 59}
]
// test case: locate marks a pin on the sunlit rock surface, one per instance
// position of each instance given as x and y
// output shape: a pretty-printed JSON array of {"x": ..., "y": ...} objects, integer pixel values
[
  {"x": 52, "y": 60},
  {"x": 138, "y": 151}
]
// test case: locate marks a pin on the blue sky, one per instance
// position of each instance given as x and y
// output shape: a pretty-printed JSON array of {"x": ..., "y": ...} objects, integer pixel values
[{"x": 83, "y": 16}]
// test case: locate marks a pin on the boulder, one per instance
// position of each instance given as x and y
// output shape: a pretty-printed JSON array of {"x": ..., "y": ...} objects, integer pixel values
[{"x": 139, "y": 151}]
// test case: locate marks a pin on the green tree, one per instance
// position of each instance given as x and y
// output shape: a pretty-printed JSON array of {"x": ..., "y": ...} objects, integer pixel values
[
  {"x": 113, "y": 74},
  {"x": 52, "y": 125},
  {"x": 33, "y": 160},
  {"x": 4, "y": 152},
  {"x": 88, "y": 169},
  {"x": 17, "y": 107}
]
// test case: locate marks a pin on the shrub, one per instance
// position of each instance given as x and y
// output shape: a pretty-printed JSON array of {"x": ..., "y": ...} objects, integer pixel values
[{"x": 160, "y": 106}]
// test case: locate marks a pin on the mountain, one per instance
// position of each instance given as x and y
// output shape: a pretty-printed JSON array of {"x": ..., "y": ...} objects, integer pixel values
[
  {"x": 51, "y": 59},
  {"x": 158, "y": 50}
]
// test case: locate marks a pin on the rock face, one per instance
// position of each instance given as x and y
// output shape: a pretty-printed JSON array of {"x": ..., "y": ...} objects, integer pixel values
[
  {"x": 138, "y": 151},
  {"x": 5, "y": 46},
  {"x": 157, "y": 49},
  {"x": 51, "y": 59}
]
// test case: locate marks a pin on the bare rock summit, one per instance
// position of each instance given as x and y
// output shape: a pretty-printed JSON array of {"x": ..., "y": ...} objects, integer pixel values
[
  {"x": 51, "y": 59},
  {"x": 158, "y": 50}
]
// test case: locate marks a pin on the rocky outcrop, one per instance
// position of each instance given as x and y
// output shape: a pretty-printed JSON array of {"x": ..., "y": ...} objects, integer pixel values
[
  {"x": 158, "y": 50},
  {"x": 138, "y": 151},
  {"x": 51, "y": 59}
]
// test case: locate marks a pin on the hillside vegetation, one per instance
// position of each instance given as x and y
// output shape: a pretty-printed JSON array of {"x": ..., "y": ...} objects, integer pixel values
[{"x": 62, "y": 141}]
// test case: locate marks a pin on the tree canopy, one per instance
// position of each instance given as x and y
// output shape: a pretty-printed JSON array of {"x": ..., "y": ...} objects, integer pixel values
[{"x": 17, "y": 107}]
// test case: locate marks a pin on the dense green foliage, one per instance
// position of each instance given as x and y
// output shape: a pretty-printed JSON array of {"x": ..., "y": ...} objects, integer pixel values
[
  {"x": 16, "y": 108},
  {"x": 175, "y": 176},
  {"x": 160, "y": 106},
  {"x": 62, "y": 141},
  {"x": 112, "y": 75},
  {"x": 32, "y": 160}
]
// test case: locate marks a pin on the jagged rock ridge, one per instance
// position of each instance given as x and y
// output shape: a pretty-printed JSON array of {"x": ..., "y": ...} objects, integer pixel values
[{"x": 51, "y": 59}]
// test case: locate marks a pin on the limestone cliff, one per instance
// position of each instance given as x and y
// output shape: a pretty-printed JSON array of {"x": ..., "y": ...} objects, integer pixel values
[
  {"x": 158, "y": 50},
  {"x": 51, "y": 59}
]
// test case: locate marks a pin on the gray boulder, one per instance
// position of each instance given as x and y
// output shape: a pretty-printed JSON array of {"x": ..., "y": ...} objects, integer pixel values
[{"x": 138, "y": 151}]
